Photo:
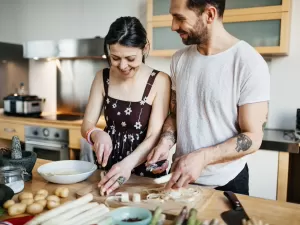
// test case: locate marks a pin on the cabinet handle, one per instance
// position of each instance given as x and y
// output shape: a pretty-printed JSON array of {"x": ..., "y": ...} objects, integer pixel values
[{"x": 10, "y": 130}]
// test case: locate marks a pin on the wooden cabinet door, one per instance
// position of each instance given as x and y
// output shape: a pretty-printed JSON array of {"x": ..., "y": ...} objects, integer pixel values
[
  {"x": 263, "y": 170},
  {"x": 8, "y": 130},
  {"x": 268, "y": 33}
]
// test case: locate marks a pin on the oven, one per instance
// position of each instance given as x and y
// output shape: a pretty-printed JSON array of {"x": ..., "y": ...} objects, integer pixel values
[{"x": 47, "y": 142}]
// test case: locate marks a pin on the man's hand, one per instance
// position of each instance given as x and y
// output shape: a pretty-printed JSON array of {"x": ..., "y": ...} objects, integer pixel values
[
  {"x": 186, "y": 169},
  {"x": 159, "y": 153}
]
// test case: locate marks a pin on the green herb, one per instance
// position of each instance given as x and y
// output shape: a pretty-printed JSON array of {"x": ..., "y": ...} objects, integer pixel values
[{"x": 1, "y": 211}]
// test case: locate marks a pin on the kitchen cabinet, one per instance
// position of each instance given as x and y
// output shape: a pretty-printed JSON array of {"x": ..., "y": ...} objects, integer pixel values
[
  {"x": 10, "y": 129},
  {"x": 263, "y": 24},
  {"x": 74, "y": 138},
  {"x": 269, "y": 174},
  {"x": 263, "y": 170}
]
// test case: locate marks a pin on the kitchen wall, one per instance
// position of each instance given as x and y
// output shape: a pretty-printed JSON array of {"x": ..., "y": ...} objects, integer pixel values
[
  {"x": 22, "y": 20},
  {"x": 12, "y": 73}
]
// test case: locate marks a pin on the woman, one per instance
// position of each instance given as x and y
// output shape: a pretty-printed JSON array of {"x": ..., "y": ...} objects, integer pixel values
[{"x": 135, "y": 99}]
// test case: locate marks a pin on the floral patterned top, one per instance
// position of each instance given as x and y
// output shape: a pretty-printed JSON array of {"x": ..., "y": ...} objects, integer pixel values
[{"x": 127, "y": 124}]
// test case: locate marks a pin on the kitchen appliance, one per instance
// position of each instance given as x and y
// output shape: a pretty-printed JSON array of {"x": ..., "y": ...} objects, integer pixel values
[
  {"x": 22, "y": 105},
  {"x": 236, "y": 215},
  {"x": 65, "y": 49},
  {"x": 77, "y": 61},
  {"x": 47, "y": 142}
]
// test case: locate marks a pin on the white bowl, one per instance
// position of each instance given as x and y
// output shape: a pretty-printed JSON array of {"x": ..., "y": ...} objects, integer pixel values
[{"x": 67, "y": 171}]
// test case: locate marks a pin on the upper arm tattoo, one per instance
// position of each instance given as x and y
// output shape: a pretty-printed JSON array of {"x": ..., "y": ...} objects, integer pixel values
[
  {"x": 243, "y": 143},
  {"x": 169, "y": 128},
  {"x": 173, "y": 103},
  {"x": 265, "y": 123}
]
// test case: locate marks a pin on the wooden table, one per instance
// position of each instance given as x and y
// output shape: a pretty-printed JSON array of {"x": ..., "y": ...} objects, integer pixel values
[{"x": 272, "y": 212}]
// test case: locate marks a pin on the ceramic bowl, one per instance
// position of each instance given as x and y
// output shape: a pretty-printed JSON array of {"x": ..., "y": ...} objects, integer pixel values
[
  {"x": 121, "y": 214},
  {"x": 67, "y": 171}
]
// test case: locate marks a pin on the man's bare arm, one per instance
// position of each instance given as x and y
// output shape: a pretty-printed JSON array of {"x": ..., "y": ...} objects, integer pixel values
[
  {"x": 252, "y": 119},
  {"x": 167, "y": 137},
  {"x": 169, "y": 133}
]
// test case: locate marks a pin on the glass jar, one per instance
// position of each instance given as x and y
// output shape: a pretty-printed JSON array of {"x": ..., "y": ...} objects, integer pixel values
[{"x": 12, "y": 177}]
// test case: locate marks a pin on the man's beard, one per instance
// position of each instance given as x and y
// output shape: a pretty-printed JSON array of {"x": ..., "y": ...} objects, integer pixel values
[{"x": 196, "y": 36}]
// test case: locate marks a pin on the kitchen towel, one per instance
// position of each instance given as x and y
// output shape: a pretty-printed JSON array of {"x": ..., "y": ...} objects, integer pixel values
[
  {"x": 86, "y": 151},
  {"x": 16, "y": 221}
]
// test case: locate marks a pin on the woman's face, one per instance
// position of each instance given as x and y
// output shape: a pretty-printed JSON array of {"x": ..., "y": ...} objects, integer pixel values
[{"x": 126, "y": 59}]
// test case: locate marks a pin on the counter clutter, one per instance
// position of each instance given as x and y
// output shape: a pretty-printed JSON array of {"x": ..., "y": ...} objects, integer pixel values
[{"x": 91, "y": 208}]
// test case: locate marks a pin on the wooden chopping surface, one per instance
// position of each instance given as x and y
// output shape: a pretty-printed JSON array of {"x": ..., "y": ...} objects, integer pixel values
[{"x": 138, "y": 185}]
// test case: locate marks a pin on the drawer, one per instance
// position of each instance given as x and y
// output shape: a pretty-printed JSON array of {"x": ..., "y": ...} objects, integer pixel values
[
  {"x": 74, "y": 138},
  {"x": 8, "y": 130}
]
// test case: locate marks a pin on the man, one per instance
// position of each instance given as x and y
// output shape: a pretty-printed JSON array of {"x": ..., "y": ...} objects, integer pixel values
[{"x": 219, "y": 105}]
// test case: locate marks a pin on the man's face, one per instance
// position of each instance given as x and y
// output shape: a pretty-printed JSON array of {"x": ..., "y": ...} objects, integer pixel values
[{"x": 189, "y": 24}]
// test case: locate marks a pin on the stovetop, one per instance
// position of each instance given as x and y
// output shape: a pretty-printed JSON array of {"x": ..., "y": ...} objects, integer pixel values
[
  {"x": 58, "y": 116},
  {"x": 65, "y": 117}
]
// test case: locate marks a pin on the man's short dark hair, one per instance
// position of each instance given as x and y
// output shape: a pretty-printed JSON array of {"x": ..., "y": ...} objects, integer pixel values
[{"x": 199, "y": 5}]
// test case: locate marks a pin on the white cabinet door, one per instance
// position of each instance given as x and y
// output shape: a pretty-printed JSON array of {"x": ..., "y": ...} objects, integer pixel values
[{"x": 263, "y": 170}]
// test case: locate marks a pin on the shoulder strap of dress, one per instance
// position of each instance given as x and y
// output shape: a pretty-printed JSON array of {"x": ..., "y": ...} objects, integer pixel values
[
  {"x": 150, "y": 83},
  {"x": 106, "y": 80}
]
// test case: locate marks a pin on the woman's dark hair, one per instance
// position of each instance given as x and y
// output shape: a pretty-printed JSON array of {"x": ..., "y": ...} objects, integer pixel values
[{"x": 127, "y": 31}]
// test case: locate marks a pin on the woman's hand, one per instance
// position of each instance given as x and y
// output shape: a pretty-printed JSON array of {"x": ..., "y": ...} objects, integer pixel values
[
  {"x": 117, "y": 175},
  {"x": 102, "y": 146}
]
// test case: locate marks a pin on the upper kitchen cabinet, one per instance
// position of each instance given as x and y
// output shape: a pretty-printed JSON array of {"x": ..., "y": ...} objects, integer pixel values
[{"x": 265, "y": 24}]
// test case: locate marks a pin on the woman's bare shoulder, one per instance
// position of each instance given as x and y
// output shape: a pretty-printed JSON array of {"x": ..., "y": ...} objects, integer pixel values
[
  {"x": 99, "y": 75},
  {"x": 162, "y": 79},
  {"x": 98, "y": 81}
]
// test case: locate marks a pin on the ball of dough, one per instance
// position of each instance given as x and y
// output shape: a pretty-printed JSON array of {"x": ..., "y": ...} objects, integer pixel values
[
  {"x": 39, "y": 197},
  {"x": 25, "y": 195},
  {"x": 42, "y": 202},
  {"x": 42, "y": 192},
  {"x": 17, "y": 209},
  {"x": 34, "y": 208},
  {"x": 52, "y": 204},
  {"x": 27, "y": 201},
  {"x": 53, "y": 198},
  {"x": 8, "y": 203}
]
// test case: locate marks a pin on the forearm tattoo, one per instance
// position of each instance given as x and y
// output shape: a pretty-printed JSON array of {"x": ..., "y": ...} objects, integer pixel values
[
  {"x": 243, "y": 143},
  {"x": 169, "y": 135},
  {"x": 169, "y": 128}
]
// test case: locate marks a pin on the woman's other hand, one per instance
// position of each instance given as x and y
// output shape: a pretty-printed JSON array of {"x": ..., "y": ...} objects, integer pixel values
[
  {"x": 116, "y": 176},
  {"x": 102, "y": 146}
]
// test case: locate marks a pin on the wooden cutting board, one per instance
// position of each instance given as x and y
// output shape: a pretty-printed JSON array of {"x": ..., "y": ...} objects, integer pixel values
[{"x": 138, "y": 185}]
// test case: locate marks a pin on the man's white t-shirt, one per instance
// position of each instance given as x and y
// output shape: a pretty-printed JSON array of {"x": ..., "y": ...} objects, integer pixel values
[{"x": 209, "y": 90}]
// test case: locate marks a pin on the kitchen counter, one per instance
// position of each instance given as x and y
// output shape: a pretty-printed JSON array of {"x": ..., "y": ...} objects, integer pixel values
[
  {"x": 47, "y": 122},
  {"x": 13, "y": 125},
  {"x": 280, "y": 140},
  {"x": 272, "y": 212}
]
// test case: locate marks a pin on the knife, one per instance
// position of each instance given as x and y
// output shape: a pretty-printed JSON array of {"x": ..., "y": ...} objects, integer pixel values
[
  {"x": 155, "y": 165},
  {"x": 236, "y": 215}
]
